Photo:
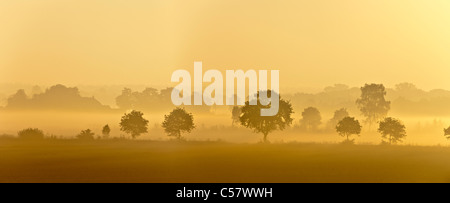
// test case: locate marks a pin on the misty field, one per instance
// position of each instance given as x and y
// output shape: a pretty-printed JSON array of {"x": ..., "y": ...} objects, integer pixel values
[{"x": 166, "y": 161}]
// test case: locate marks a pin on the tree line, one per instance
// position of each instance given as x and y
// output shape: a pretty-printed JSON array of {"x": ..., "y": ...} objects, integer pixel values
[
  {"x": 372, "y": 104},
  {"x": 406, "y": 100}
]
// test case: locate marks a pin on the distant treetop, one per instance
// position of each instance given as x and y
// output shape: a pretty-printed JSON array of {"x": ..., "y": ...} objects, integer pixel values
[{"x": 58, "y": 97}]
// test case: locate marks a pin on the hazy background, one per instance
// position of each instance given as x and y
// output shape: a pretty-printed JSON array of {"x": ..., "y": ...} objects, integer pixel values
[
  {"x": 102, "y": 46},
  {"x": 63, "y": 112},
  {"x": 312, "y": 43}
]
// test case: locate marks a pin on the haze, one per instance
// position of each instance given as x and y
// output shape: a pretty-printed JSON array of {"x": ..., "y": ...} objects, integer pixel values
[
  {"x": 85, "y": 91},
  {"x": 312, "y": 43}
]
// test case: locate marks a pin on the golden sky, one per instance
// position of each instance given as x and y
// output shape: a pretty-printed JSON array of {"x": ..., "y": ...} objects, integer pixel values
[{"x": 313, "y": 43}]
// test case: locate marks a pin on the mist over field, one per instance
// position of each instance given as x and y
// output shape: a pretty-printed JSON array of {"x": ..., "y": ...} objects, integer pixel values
[
  {"x": 85, "y": 91},
  {"x": 59, "y": 134},
  {"x": 64, "y": 111}
]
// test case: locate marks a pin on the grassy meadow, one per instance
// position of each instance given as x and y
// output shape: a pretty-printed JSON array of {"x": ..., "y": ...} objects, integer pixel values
[{"x": 205, "y": 162}]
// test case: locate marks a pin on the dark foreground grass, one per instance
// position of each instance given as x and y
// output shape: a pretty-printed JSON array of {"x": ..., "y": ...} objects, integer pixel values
[{"x": 146, "y": 161}]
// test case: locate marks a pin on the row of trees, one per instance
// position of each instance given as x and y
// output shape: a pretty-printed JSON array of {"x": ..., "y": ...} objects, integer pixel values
[
  {"x": 151, "y": 99},
  {"x": 390, "y": 128},
  {"x": 177, "y": 122},
  {"x": 372, "y": 105}
]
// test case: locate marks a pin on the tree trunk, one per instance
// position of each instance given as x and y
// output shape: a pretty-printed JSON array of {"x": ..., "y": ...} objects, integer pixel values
[{"x": 265, "y": 137}]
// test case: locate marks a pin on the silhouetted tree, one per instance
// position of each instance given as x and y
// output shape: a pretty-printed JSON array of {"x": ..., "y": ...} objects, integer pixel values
[
  {"x": 338, "y": 116},
  {"x": 348, "y": 126},
  {"x": 31, "y": 134},
  {"x": 125, "y": 100},
  {"x": 447, "y": 133},
  {"x": 337, "y": 88},
  {"x": 251, "y": 117},
  {"x": 165, "y": 97},
  {"x": 372, "y": 102},
  {"x": 86, "y": 135},
  {"x": 150, "y": 99},
  {"x": 406, "y": 87},
  {"x": 58, "y": 97},
  {"x": 311, "y": 118},
  {"x": 18, "y": 100},
  {"x": 147, "y": 99},
  {"x": 134, "y": 124},
  {"x": 177, "y": 122},
  {"x": 106, "y": 131},
  {"x": 392, "y": 129},
  {"x": 235, "y": 114}
]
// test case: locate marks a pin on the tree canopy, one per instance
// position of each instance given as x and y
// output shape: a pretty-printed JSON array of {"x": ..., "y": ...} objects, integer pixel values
[
  {"x": 251, "y": 117},
  {"x": 106, "y": 131},
  {"x": 372, "y": 102},
  {"x": 447, "y": 132},
  {"x": 177, "y": 122},
  {"x": 338, "y": 116},
  {"x": 134, "y": 124},
  {"x": 348, "y": 126},
  {"x": 311, "y": 118},
  {"x": 235, "y": 114},
  {"x": 31, "y": 134},
  {"x": 392, "y": 129},
  {"x": 86, "y": 135}
]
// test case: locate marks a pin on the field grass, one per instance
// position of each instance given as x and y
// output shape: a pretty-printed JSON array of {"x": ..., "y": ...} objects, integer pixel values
[{"x": 151, "y": 161}]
